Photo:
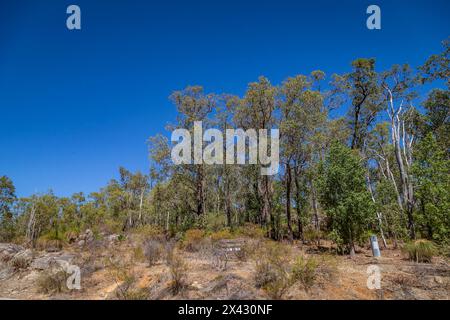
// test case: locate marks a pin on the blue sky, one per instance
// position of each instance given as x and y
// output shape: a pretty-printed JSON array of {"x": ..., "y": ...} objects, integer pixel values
[{"x": 76, "y": 105}]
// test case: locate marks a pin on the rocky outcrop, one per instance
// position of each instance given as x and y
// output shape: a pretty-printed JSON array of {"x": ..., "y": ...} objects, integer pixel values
[
  {"x": 51, "y": 260},
  {"x": 8, "y": 250},
  {"x": 85, "y": 238}
]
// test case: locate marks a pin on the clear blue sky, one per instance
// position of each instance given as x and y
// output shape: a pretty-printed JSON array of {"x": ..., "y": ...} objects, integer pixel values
[{"x": 76, "y": 105}]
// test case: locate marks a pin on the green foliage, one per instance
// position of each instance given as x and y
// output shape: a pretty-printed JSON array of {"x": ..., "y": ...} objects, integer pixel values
[
  {"x": 7, "y": 198},
  {"x": 431, "y": 170},
  {"x": 317, "y": 176},
  {"x": 345, "y": 196}
]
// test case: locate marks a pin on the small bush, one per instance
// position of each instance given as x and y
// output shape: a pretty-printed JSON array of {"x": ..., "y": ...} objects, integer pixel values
[
  {"x": 111, "y": 226},
  {"x": 126, "y": 290},
  {"x": 178, "y": 273},
  {"x": 71, "y": 236},
  {"x": 327, "y": 269},
  {"x": 420, "y": 250},
  {"x": 50, "y": 240},
  {"x": 192, "y": 240},
  {"x": 244, "y": 252},
  {"x": 134, "y": 294},
  {"x": 312, "y": 235},
  {"x": 250, "y": 230},
  {"x": 138, "y": 254},
  {"x": 264, "y": 274},
  {"x": 152, "y": 251},
  {"x": 149, "y": 232},
  {"x": 222, "y": 234},
  {"x": 52, "y": 282},
  {"x": 304, "y": 271},
  {"x": 168, "y": 251},
  {"x": 272, "y": 270}
]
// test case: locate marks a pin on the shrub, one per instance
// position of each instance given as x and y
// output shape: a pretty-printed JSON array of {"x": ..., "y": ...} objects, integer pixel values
[
  {"x": 327, "y": 268},
  {"x": 134, "y": 294},
  {"x": 19, "y": 263},
  {"x": 111, "y": 226},
  {"x": 420, "y": 250},
  {"x": 251, "y": 230},
  {"x": 50, "y": 240},
  {"x": 304, "y": 271},
  {"x": 178, "y": 273},
  {"x": 312, "y": 235},
  {"x": 152, "y": 251},
  {"x": 138, "y": 254},
  {"x": 168, "y": 251},
  {"x": 264, "y": 273},
  {"x": 149, "y": 231},
  {"x": 21, "y": 260},
  {"x": 272, "y": 270},
  {"x": 52, "y": 282},
  {"x": 71, "y": 236},
  {"x": 192, "y": 239},
  {"x": 125, "y": 290},
  {"x": 244, "y": 252},
  {"x": 222, "y": 234}
]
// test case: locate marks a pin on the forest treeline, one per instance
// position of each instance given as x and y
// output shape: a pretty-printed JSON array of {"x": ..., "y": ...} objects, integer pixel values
[{"x": 382, "y": 168}]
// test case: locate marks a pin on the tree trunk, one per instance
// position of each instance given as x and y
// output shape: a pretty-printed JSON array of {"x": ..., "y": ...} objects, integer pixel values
[
  {"x": 140, "y": 206},
  {"x": 199, "y": 196},
  {"x": 288, "y": 179},
  {"x": 379, "y": 216}
]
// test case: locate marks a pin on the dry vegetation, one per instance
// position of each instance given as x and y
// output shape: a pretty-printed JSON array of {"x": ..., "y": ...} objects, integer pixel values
[{"x": 145, "y": 265}]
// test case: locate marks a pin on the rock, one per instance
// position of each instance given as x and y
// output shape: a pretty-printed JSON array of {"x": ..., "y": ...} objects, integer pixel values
[
  {"x": 41, "y": 263},
  {"x": 6, "y": 273},
  {"x": 21, "y": 260},
  {"x": 51, "y": 260},
  {"x": 113, "y": 238},
  {"x": 8, "y": 250},
  {"x": 438, "y": 280},
  {"x": 26, "y": 255}
]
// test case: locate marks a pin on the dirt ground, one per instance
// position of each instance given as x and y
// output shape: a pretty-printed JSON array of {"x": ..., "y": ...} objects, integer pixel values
[{"x": 118, "y": 271}]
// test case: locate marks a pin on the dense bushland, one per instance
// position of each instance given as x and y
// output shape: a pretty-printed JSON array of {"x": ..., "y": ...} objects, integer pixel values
[{"x": 382, "y": 168}]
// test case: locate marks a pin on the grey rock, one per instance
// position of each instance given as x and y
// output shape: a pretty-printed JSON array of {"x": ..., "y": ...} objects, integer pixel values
[
  {"x": 51, "y": 260},
  {"x": 24, "y": 254},
  {"x": 113, "y": 238}
]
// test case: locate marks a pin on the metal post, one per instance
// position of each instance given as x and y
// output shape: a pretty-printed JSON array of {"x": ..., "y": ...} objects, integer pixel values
[{"x": 375, "y": 248}]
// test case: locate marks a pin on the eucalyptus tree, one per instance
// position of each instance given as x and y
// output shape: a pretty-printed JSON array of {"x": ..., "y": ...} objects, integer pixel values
[
  {"x": 193, "y": 104},
  {"x": 257, "y": 111},
  {"x": 361, "y": 87},
  {"x": 397, "y": 84},
  {"x": 302, "y": 120},
  {"x": 7, "y": 199}
]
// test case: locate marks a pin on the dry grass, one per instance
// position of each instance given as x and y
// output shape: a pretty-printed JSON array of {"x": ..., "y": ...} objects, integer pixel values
[{"x": 420, "y": 250}]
